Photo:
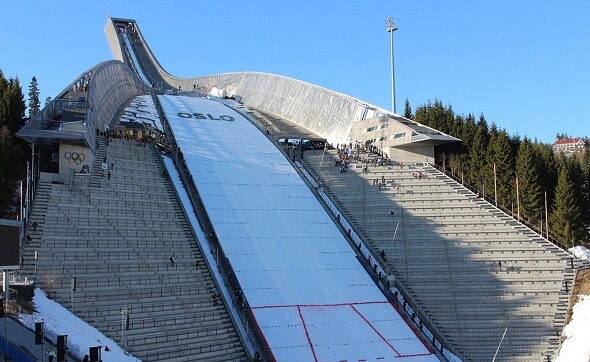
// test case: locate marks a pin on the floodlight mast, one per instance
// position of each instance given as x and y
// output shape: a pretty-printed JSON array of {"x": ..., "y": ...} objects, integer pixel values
[{"x": 391, "y": 27}]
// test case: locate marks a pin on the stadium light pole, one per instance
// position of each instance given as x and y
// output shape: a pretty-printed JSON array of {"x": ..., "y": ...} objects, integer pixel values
[{"x": 391, "y": 27}]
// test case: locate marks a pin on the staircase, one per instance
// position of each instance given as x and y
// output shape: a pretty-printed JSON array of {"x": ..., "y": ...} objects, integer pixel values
[
  {"x": 116, "y": 237},
  {"x": 473, "y": 269}
]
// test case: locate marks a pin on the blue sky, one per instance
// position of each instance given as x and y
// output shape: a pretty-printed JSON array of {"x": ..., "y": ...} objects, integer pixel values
[{"x": 523, "y": 64}]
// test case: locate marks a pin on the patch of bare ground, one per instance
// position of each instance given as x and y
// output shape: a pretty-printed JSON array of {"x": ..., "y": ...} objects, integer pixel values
[{"x": 582, "y": 287}]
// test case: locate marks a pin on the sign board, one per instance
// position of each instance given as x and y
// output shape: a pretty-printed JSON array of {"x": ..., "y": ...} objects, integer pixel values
[{"x": 10, "y": 231}]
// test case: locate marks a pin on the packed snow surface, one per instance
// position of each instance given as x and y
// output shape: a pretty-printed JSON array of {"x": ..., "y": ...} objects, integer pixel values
[{"x": 309, "y": 294}]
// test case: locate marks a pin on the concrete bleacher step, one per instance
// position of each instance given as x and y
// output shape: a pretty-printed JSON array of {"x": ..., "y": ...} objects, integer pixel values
[
  {"x": 116, "y": 237},
  {"x": 446, "y": 254}
]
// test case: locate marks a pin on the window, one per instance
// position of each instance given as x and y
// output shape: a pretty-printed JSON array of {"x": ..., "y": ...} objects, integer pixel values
[
  {"x": 399, "y": 135},
  {"x": 382, "y": 138},
  {"x": 383, "y": 126},
  {"x": 371, "y": 129}
]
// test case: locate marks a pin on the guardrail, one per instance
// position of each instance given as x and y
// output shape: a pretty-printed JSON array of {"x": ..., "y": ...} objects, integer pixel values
[
  {"x": 224, "y": 267},
  {"x": 504, "y": 209},
  {"x": 381, "y": 274},
  {"x": 371, "y": 260}
]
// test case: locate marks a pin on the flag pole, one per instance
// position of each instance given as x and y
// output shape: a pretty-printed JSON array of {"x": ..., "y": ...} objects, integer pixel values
[
  {"x": 32, "y": 172},
  {"x": 546, "y": 217},
  {"x": 20, "y": 196},
  {"x": 517, "y": 200},
  {"x": 27, "y": 195},
  {"x": 501, "y": 340},
  {"x": 495, "y": 187}
]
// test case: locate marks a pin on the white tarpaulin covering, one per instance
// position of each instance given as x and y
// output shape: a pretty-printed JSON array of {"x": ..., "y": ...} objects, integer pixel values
[{"x": 309, "y": 295}]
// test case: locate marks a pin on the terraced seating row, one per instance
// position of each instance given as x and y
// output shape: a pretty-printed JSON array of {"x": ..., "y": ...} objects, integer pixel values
[
  {"x": 116, "y": 238},
  {"x": 446, "y": 251}
]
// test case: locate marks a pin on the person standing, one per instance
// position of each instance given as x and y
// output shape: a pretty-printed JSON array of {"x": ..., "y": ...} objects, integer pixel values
[
  {"x": 51, "y": 354},
  {"x": 173, "y": 259}
]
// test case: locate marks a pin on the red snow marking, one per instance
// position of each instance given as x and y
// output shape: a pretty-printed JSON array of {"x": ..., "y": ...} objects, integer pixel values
[
  {"x": 414, "y": 330},
  {"x": 316, "y": 305},
  {"x": 375, "y": 330},
  {"x": 414, "y": 355},
  {"x": 351, "y": 305},
  {"x": 307, "y": 334},
  {"x": 264, "y": 341}
]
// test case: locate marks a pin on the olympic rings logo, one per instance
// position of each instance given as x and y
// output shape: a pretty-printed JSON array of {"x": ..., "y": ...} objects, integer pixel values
[{"x": 74, "y": 157}]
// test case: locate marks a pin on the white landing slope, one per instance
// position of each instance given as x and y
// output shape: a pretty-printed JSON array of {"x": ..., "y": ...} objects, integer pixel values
[{"x": 309, "y": 295}]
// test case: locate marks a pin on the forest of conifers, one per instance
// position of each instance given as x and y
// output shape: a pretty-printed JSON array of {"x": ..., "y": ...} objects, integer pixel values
[
  {"x": 539, "y": 171},
  {"x": 13, "y": 152},
  {"x": 534, "y": 165}
]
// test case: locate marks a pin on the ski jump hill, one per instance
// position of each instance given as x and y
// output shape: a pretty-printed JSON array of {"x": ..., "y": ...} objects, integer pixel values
[{"x": 279, "y": 255}]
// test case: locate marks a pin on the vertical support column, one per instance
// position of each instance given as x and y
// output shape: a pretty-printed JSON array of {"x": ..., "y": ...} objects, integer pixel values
[{"x": 5, "y": 288}]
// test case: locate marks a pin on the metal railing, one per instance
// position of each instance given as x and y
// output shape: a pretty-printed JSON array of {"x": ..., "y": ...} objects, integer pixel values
[
  {"x": 503, "y": 208},
  {"x": 371, "y": 261},
  {"x": 224, "y": 267},
  {"x": 380, "y": 272}
]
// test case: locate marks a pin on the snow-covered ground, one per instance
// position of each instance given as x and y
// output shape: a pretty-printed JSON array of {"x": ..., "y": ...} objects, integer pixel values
[
  {"x": 576, "y": 345},
  {"x": 580, "y": 252},
  {"x": 81, "y": 336}
]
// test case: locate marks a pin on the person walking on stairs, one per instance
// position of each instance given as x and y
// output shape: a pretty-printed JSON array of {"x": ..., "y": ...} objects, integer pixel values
[{"x": 50, "y": 354}]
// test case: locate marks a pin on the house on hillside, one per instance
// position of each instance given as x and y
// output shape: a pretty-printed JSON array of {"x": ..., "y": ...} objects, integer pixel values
[{"x": 570, "y": 146}]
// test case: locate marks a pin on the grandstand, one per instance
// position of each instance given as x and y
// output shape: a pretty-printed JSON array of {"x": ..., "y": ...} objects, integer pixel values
[{"x": 293, "y": 255}]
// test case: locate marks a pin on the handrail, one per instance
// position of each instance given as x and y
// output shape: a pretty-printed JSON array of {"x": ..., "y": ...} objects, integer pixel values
[
  {"x": 224, "y": 266},
  {"x": 381, "y": 274},
  {"x": 371, "y": 261},
  {"x": 502, "y": 208}
]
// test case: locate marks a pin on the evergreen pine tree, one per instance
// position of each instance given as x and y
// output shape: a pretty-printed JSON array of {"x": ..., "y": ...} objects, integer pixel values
[
  {"x": 527, "y": 171},
  {"x": 500, "y": 155},
  {"x": 566, "y": 212},
  {"x": 12, "y": 105},
  {"x": 477, "y": 156},
  {"x": 408, "y": 110},
  {"x": 435, "y": 116},
  {"x": 5, "y": 168},
  {"x": 467, "y": 136},
  {"x": 577, "y": 174},
  {"x": 34, "y": 102},
  {"x": 548, "y": 172},
  {"x": 3, "y": 100}
]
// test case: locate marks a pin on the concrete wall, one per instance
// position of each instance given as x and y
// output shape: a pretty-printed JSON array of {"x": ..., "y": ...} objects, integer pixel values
[
  {"x": 111, "y": 33},
  {"x": 74, "y": 158},
  {"x": 398, "y": 149},
  {"x": 413, "y": 154}
]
